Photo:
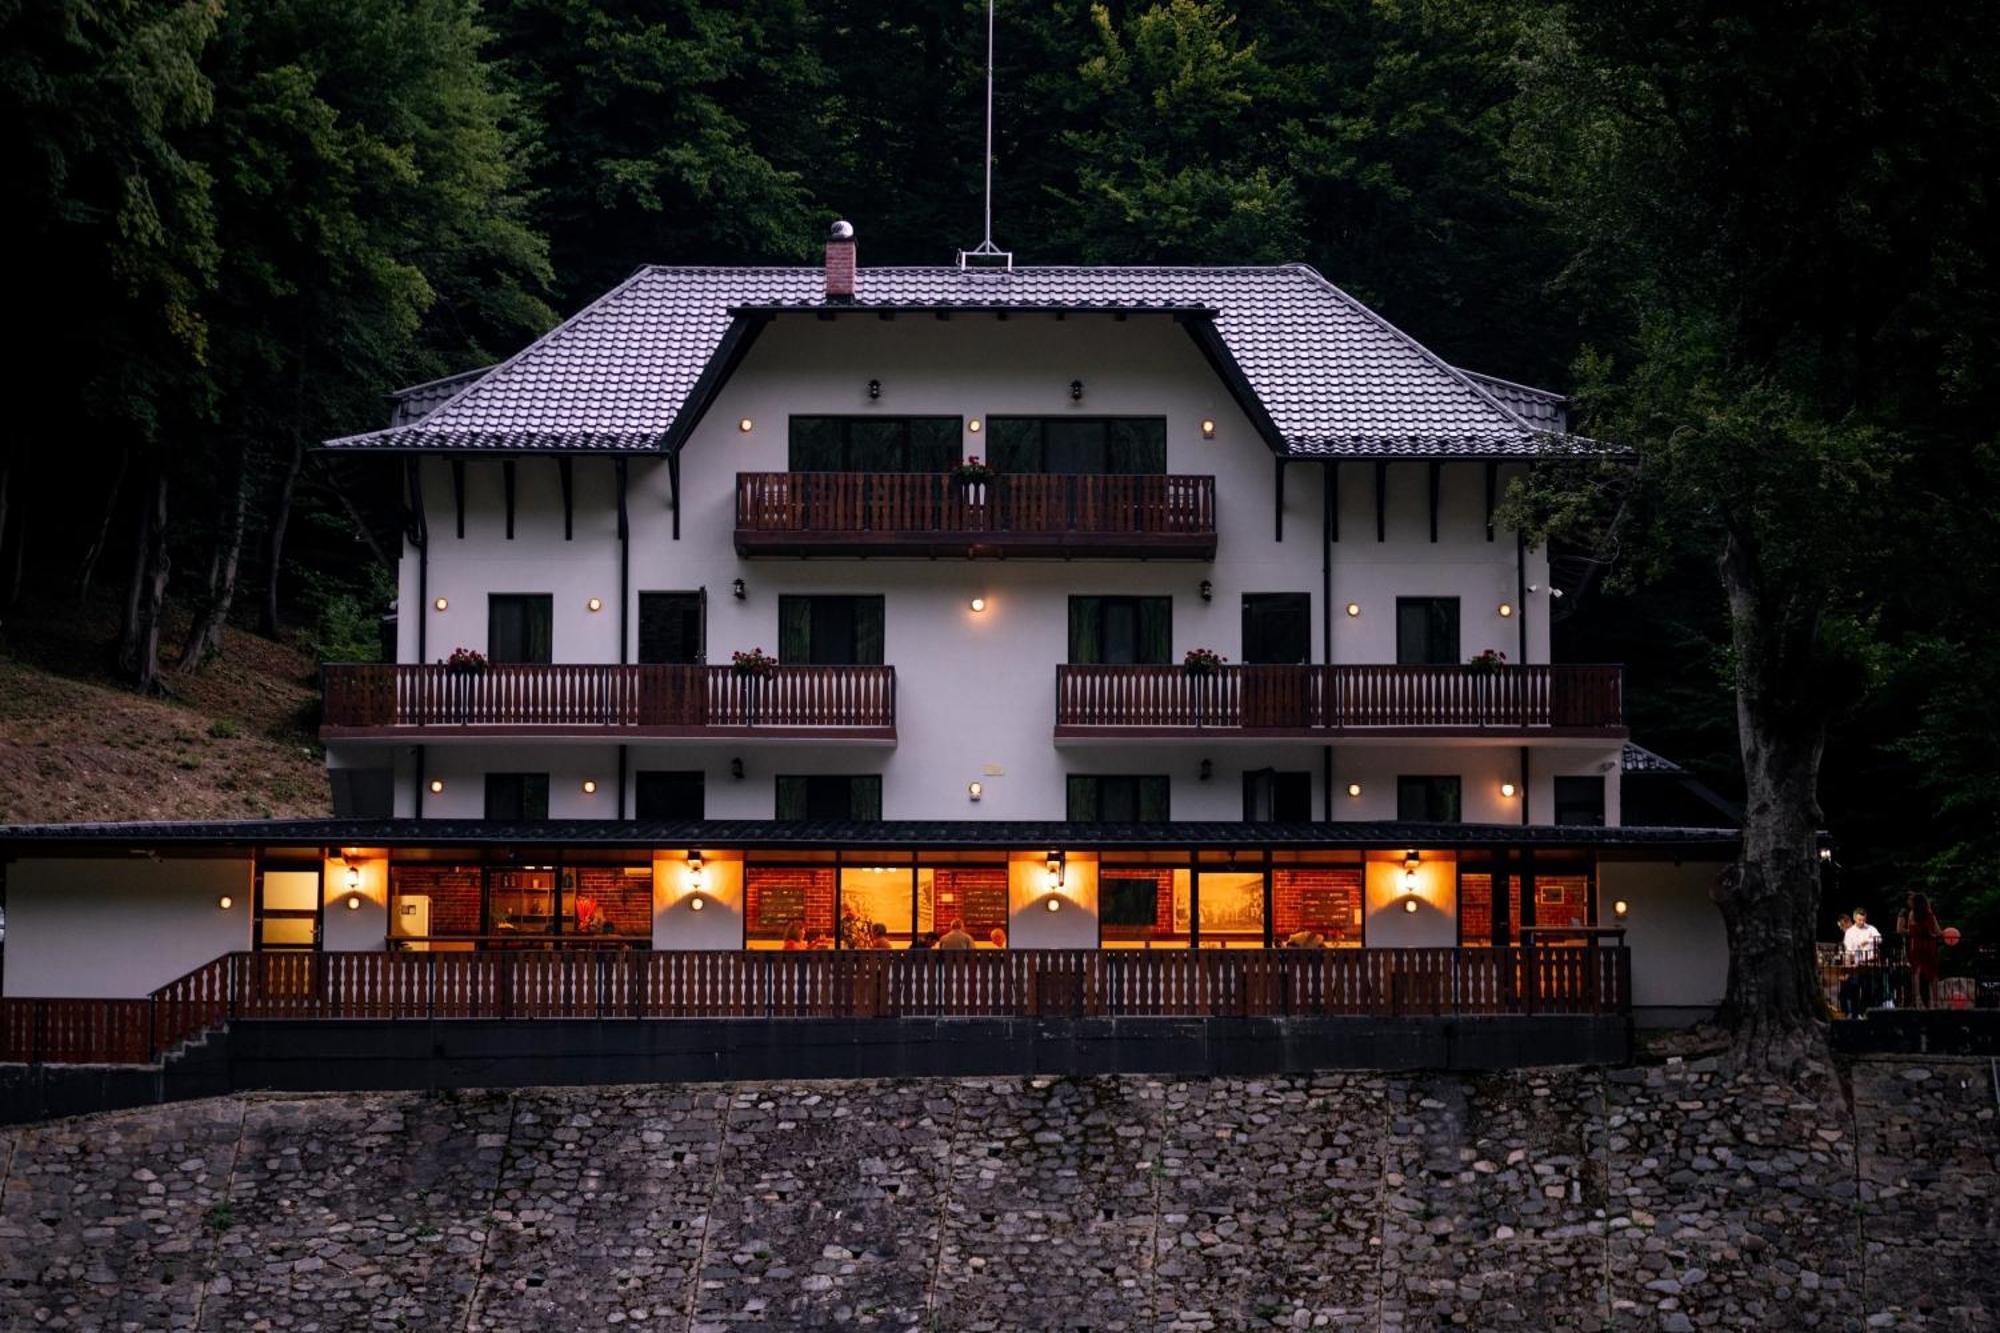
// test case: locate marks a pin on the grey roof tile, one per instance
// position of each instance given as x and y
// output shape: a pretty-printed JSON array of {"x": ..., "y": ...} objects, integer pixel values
[
  {"x": 1336, "y": 378},
  {"x": 1638, "y": 759}
]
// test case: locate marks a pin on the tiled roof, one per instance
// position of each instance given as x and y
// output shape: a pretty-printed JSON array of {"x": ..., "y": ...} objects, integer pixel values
[
  {"x": 717, "y": 833},
  {"x": 414, "y": 402},
  {"x": 1538, "y": 407},
  {"x": 1638, "y": 759},
  {"x": 1336, "y": 378}
]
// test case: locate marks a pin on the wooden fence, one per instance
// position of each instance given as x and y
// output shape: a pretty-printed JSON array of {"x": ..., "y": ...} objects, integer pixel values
[{"x": 1358, "y": 983}]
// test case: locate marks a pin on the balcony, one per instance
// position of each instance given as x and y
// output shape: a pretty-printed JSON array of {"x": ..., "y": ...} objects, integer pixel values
[
  {"x": 434, "y": 702},
  {"x": 930, "y": 514},
  {"x": 1254, "y": 702}
]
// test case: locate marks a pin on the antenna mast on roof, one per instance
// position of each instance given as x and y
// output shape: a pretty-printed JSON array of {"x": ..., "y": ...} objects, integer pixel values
[{"x": 986, "y": 250}]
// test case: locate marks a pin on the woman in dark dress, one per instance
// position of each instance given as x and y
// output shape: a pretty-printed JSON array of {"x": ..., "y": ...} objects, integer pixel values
[{"x": 1919, "y": 928}]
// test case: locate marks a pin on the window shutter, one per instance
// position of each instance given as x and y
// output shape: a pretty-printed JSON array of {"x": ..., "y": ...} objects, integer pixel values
[
  {"x": 864, "y": 795},
  {"x": 1156, "y": 630},
  {"x": 794, "y": 629},
  {"x": 791, "y": 798},
  {"x": 868, "y": 631},
  {"x": 1084, "y": 648},
  {"x": 1152, "y": 800},
  {"x": 1082, "y": 799}
]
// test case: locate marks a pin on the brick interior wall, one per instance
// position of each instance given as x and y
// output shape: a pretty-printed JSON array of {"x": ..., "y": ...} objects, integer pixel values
[
  {"x": 1323, "y": 900},
  {"x": 761, "y": 882},
  {"x": 978, "y": 895},
  {"x": 1475, "y": 909},
  {"x": 1163, "y": 911},
  {"x": 453, "y": 890},
  {"x": 627, "y": 900}
]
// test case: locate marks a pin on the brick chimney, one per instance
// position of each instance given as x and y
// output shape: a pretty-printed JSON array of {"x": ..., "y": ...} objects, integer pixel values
[{"x": 840, "y": 262}]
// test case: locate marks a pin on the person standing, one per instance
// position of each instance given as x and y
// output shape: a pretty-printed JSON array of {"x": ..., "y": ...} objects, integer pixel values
[
  {"x": 1918, "y": 925},
  {"x": 956, "y": 937},
  {"x": 1863, "y": 945}
]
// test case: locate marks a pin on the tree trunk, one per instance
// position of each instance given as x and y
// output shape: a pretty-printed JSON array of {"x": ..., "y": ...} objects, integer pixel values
[
  {"x": 95, "y": 550},
  {"x": 204, "y": 636},
  {"x": 280, "y": 517},
  {"x": 1770, "y": 897},
  {"x": 139, "y": 646},
  {"x": 332, "y": 480}
]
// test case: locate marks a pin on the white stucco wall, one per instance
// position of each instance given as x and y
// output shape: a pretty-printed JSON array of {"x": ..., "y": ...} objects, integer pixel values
[
  {"x": 1680, "y": 948},
  {"x": 974, "y": 691},
  {"x": 120, "y": 928},
  {"x": 366, "y": 926}
]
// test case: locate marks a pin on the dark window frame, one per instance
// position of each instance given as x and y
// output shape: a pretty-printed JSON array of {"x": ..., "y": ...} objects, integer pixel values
[
  {"x": 805, "y": 799},
  {"x": 1293, "y": 602},
  {"x": 1290, "y": 788},
  {"x": 947, "y": 456},
  {"x": 1152, "y": 619},
  {"x": 259, "y": 914},
  {"x": 1036, "y": 452},
  {"x": 524, "y": 778},
  {"x": 542, "y": 601},
  {"x": 1456, "y": 785},
  {"x": 793, "y": 606},
  {"x": 639, "y": 785},
  {"x": 699, "y": 597},
  {"x": 1434, "y": 653},
  {"x": 1573, "y": 781},
  {"x": 1160, "y": 784}
]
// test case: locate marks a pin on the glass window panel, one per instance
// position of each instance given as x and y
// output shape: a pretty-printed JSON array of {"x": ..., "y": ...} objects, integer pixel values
[
  {"x": 517, "y": 797},
  {"x": 670, "y": 795},
  {"x": 1475, "y": 909},
  {"x": 1232, "y": 907},
  {"x": 1579, "y": 800},
  {"x": 1428, "y": 799},
  {"x": 1015, "y": 444},
  {"x": 974, "y": 896},
  {"x": 935, "y": 443},
  {"x": 290, "y": 932},
  {"x": 670, "y": 629},
  {"x": 519, "y": 627},
  {"x": 816, "y": 445},
  {"x": 291, "y": 890},
  {"x": 877, "y": 446},
  {"x": 878, "y": 896},
  {"x": 1427, "y": 631},
  {"x": 1277, "y": 627},
  {"x": 1074, "y": 446},
  {"x": 1137, "y": 446},
  {"x": 789, "y": 907},
  {"x": 1316, "y": 903}
]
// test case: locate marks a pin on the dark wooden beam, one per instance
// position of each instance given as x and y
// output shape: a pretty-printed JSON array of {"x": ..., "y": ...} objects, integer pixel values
[
  {"x": 1330, "y": 475},
  {"x": 1492, "y": 495},
  {"x": 507, "y": 483},
  {"x": 1437, "y": 474},
  {"x": 1281, "y": 501},
  {"x": 673, "y": 486},
  {"x": 621, "y": 480},
  {"x": 458, "y": 493},
  {"x": 566, "y": 474},
  {"x": 1381, "y": 500}
]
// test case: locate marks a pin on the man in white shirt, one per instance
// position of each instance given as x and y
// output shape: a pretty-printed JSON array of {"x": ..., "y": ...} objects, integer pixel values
[{"x": 1862, "y": 941}]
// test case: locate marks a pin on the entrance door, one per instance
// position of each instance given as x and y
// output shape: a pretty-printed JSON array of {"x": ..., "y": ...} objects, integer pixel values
[{"x": 673, "y": 633}]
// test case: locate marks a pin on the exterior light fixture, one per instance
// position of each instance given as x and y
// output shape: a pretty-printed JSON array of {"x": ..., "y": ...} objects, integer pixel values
[
  {"x": 1507, "y": 789},
  {"x": 979, "y": 604},
  {"x": 1354, "y": 608},
  {"x": 437, "y": 785},
  {"x": 736, "y": 589},
  {"x": 1410, "y": 864},
  {"x": 975, "y": 789},
  {"x": 1055, "y": 870},
  {"x": 736, "y": 769},
  {"x": 225, "y": 902},
  {"x": 353, "y": 878},
  {"x": 973, "y": 425},
  {"x": 1353, "y": 789},
  {"x": 1506, "y": 610},
  {"x": 874, "y": 388},
  {"x": 353, "y": 902},
  {"x": 1620, "y": 909},
  {"x": 697, "y": 903},
  {"x": 694, "y": 871},
  {"x": 595, "y": 604},
  {"x": 1207, "y": 590},
  {"x": 590, "y": 786},
  {"x": 1410, "y": 906},
  {"x": 440, "y": 603},
  {"x": 1076, "y": 391},
  {"x": 1055, "y": 904},
  {"x": 1207, "y": 429},
  {"x": 745, "y": 425},
  {"x": 1826, "y": 853}
]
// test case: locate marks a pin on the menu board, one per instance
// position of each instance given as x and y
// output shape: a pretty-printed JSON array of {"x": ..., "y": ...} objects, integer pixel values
[
  {"x": 979, "y": 896},
  {"x": 781, "y": 904}
]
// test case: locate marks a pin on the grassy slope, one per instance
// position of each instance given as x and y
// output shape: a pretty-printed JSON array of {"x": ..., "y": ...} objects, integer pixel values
[{"x": 233, "y": 741}]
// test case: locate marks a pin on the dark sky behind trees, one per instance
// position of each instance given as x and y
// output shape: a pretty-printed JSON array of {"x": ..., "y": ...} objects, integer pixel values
[{"x": 1746, "y": 237}]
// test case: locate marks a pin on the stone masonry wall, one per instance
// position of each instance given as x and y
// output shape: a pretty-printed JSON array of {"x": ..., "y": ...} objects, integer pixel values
[{"x": 1668, "y": 1198}]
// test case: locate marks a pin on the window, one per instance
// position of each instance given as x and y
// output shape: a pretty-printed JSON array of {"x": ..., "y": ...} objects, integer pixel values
[
  {"x": 1094, "y": 799},
  {"x": 1429, "y": 800},
  {"x": 1119, "y": 631},
  {"x": 517, "y": 797},
  {"x": 1427, "y": 631},
  {"x": 669, "y": 795},
  {"x": 1271, "y": 797},
  {"x": 287, "y": 908},
  {"x": 836, "y": 798},
  {"x": 518, "y": 627},
  {"x": 363, "y": 793},
  {"x": 875, "y": 444},
  {"x": 1277, "y": 627},
  {"x": 1129, "y": 900},
  {"x": 830, "y": 631},
  {"x": 1078, "y": 445},
  {"x": 1580, "y": 801},
  {"x": 670, "y": 627}
]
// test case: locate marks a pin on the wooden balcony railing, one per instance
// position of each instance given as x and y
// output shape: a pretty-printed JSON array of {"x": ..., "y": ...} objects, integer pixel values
[
  {"x": 926, "y": 513},
  {"x": 1308, "y": 700},
  {"x": 1588, "y": 979},
  {"x": 367, "y": 699}
]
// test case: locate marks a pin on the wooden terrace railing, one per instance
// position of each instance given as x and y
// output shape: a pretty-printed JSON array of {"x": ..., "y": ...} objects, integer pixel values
[
  {"x": 1347, "y": 983},
  {"x": 930, "y": 513},
  {"x": 1292, "y": 700},
  {"x": 657, "y": 700}
]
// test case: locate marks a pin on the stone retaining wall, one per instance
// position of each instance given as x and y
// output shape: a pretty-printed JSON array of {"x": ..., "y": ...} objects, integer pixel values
[{"x": 1665, "y": 1198}]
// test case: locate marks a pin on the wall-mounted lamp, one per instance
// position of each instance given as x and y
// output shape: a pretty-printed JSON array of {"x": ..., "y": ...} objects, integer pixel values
[
  {"x": 1410, "y": 864},
  {"x": 1055, "y": 870},
  {"x": 1620, "y": 909},
  {"x": 353, "y": 878},
  {"x": 975, "y": 790},
  {"x": 1826, "y": 853},
  {"x": 225, "y": 902},
  {"x": 973, "y": 425},
  {"x": 1353, "y": 789},
  {"x": 353, "y": 902},
  {"x": 590, "y": 786},
  {"x": 1507, "y": 789},
  {"x": 437, "y": 785},
  {"x": 874, "y": 388},
  {"x": 1410, "y": 906},
  {"x": 1207, "y": 429},
  {"x": 1055, "y": 904},
  {"x": 978, "y": 604},
  {"x": 745, "y": 425},
  {"x": 1207, "y": 590},
  {"x": 737, "y": 590},
  {"x": 1207, "y": 769},
  {"x": 441, "y": 604},
  {"x": 697, "y": 903},
  {"x": 1506, "y": 610},
  {"x": 736, "y": 769},
  {"x": 694, "y": 872},
  {"x": 595, "y": 604},
  {"x": 1354, "y": 608},
  {"x": 1076, "y": 391}
]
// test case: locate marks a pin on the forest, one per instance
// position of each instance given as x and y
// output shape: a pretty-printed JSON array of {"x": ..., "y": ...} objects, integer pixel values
[{"x": 1755, "y": 242}]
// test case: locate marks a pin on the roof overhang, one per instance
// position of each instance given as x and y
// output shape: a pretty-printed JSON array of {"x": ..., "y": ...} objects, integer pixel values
[{"x": 946, "y": 309}]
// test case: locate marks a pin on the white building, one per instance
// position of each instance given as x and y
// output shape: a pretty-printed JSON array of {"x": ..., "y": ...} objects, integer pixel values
[{"x": 988, "y": 701}]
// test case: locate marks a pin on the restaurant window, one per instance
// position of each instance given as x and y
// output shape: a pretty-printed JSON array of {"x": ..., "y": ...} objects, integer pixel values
[
  {"x": 1561, "y": 902},
  {"x": 1429, "y": 799},
  {"x": 879, "y": 895},
  {"x": 1427, "y": 631},
  {"x": 1476, "y": 901},
  {"x": 1121, "y": 799},
  {"x": 836, "y": 798},
  {"x": 875, "y": 444},
  {"x": 1137, "y": 906},
  {"x": 789, "y": 906},
  {"x": 670, "y": 628},
  {"x": 1271, "y": 797},
  {"x": 1231, "y": 908},
  {"x": 667, "y": 794},
  {"x": 519, "y": 627},
  {"x": 1121, "y": 631},
  {"x": 1322, "y": 902},
  {"x": 1277, "y": 627},
  {"x": 287, "y": 908},
  {"x": 1092, "y": 446},
  {"x": 1580, "y": 800},
  {"x": 517, "y": 797},
  {"x": 976, "y": 895},
  {"x": 830, "y": 631}
]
